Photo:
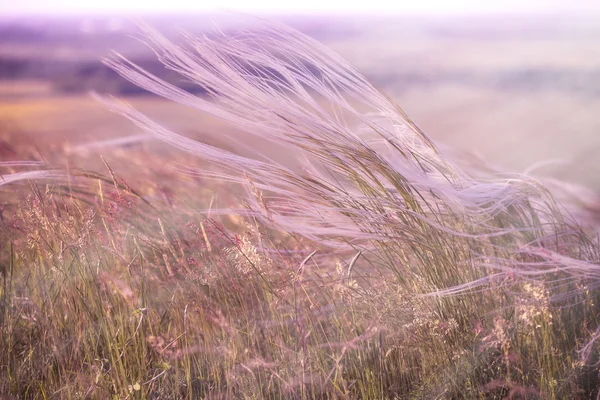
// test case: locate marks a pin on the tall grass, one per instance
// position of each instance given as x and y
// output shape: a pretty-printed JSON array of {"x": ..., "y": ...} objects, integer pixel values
[
  {"x": 379, "y": 270},
  {"x": 373, "y": 178}
]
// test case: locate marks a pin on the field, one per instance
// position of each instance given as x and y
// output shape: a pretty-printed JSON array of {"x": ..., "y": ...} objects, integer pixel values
[{"x": 146, "y": 265}]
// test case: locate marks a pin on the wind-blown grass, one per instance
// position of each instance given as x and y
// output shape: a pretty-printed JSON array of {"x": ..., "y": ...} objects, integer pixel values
[
  {"x": 380, "y": 270},
  {"x": 374, "y": 180}
]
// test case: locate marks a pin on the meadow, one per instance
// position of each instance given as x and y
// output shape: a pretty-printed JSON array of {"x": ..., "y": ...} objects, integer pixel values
[{"x": 288, "y": 231}]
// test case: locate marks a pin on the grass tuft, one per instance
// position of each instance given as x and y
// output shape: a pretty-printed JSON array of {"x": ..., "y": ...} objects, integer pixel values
[{"x": 378, "y": 270}]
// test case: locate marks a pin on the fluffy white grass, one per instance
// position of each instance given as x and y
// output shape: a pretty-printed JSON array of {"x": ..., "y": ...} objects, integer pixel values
[
  {"x": 373, "y": 180},
  {"x": 13, "y": 164},
  {"x": 14, "y": 177},
  {"x": 116, "y": 142},
  {"x": 484, "y": 281}
]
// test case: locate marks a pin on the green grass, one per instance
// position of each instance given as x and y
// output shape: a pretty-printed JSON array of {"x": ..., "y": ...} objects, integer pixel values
[{"x": 382, "y": 270}]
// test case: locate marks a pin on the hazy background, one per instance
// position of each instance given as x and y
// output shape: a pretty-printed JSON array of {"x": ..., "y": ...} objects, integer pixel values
[{"x": 516, "y": 83}]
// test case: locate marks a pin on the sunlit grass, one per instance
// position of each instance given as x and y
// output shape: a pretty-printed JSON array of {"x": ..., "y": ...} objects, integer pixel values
[{"x": 381, "y": 270}]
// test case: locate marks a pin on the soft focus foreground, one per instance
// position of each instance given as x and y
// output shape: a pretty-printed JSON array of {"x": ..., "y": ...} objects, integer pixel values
[{"x": 372, "y": 266}]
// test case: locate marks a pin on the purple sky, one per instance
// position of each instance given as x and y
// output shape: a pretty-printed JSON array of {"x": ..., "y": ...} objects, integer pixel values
[{"x": 61, "y": 7}]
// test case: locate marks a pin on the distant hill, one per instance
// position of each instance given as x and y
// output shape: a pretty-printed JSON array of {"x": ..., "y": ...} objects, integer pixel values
[{"x": 395, "y": 55}]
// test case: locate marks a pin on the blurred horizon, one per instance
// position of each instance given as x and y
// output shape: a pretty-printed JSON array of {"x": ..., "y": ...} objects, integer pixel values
[
  {"x": 517, "y": 89},
  {"x": 382, "y": 8}
]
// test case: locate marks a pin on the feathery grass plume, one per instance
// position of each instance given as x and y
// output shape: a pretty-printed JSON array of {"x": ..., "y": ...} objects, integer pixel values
[
  {"x": 373, "y": 181},
  {"x": 14, "y": 177},
  {"x": 107, "y": 292}
]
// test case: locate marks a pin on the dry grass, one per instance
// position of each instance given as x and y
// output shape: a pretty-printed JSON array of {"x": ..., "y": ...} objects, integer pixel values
[{"x": 381, "y": 270}]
